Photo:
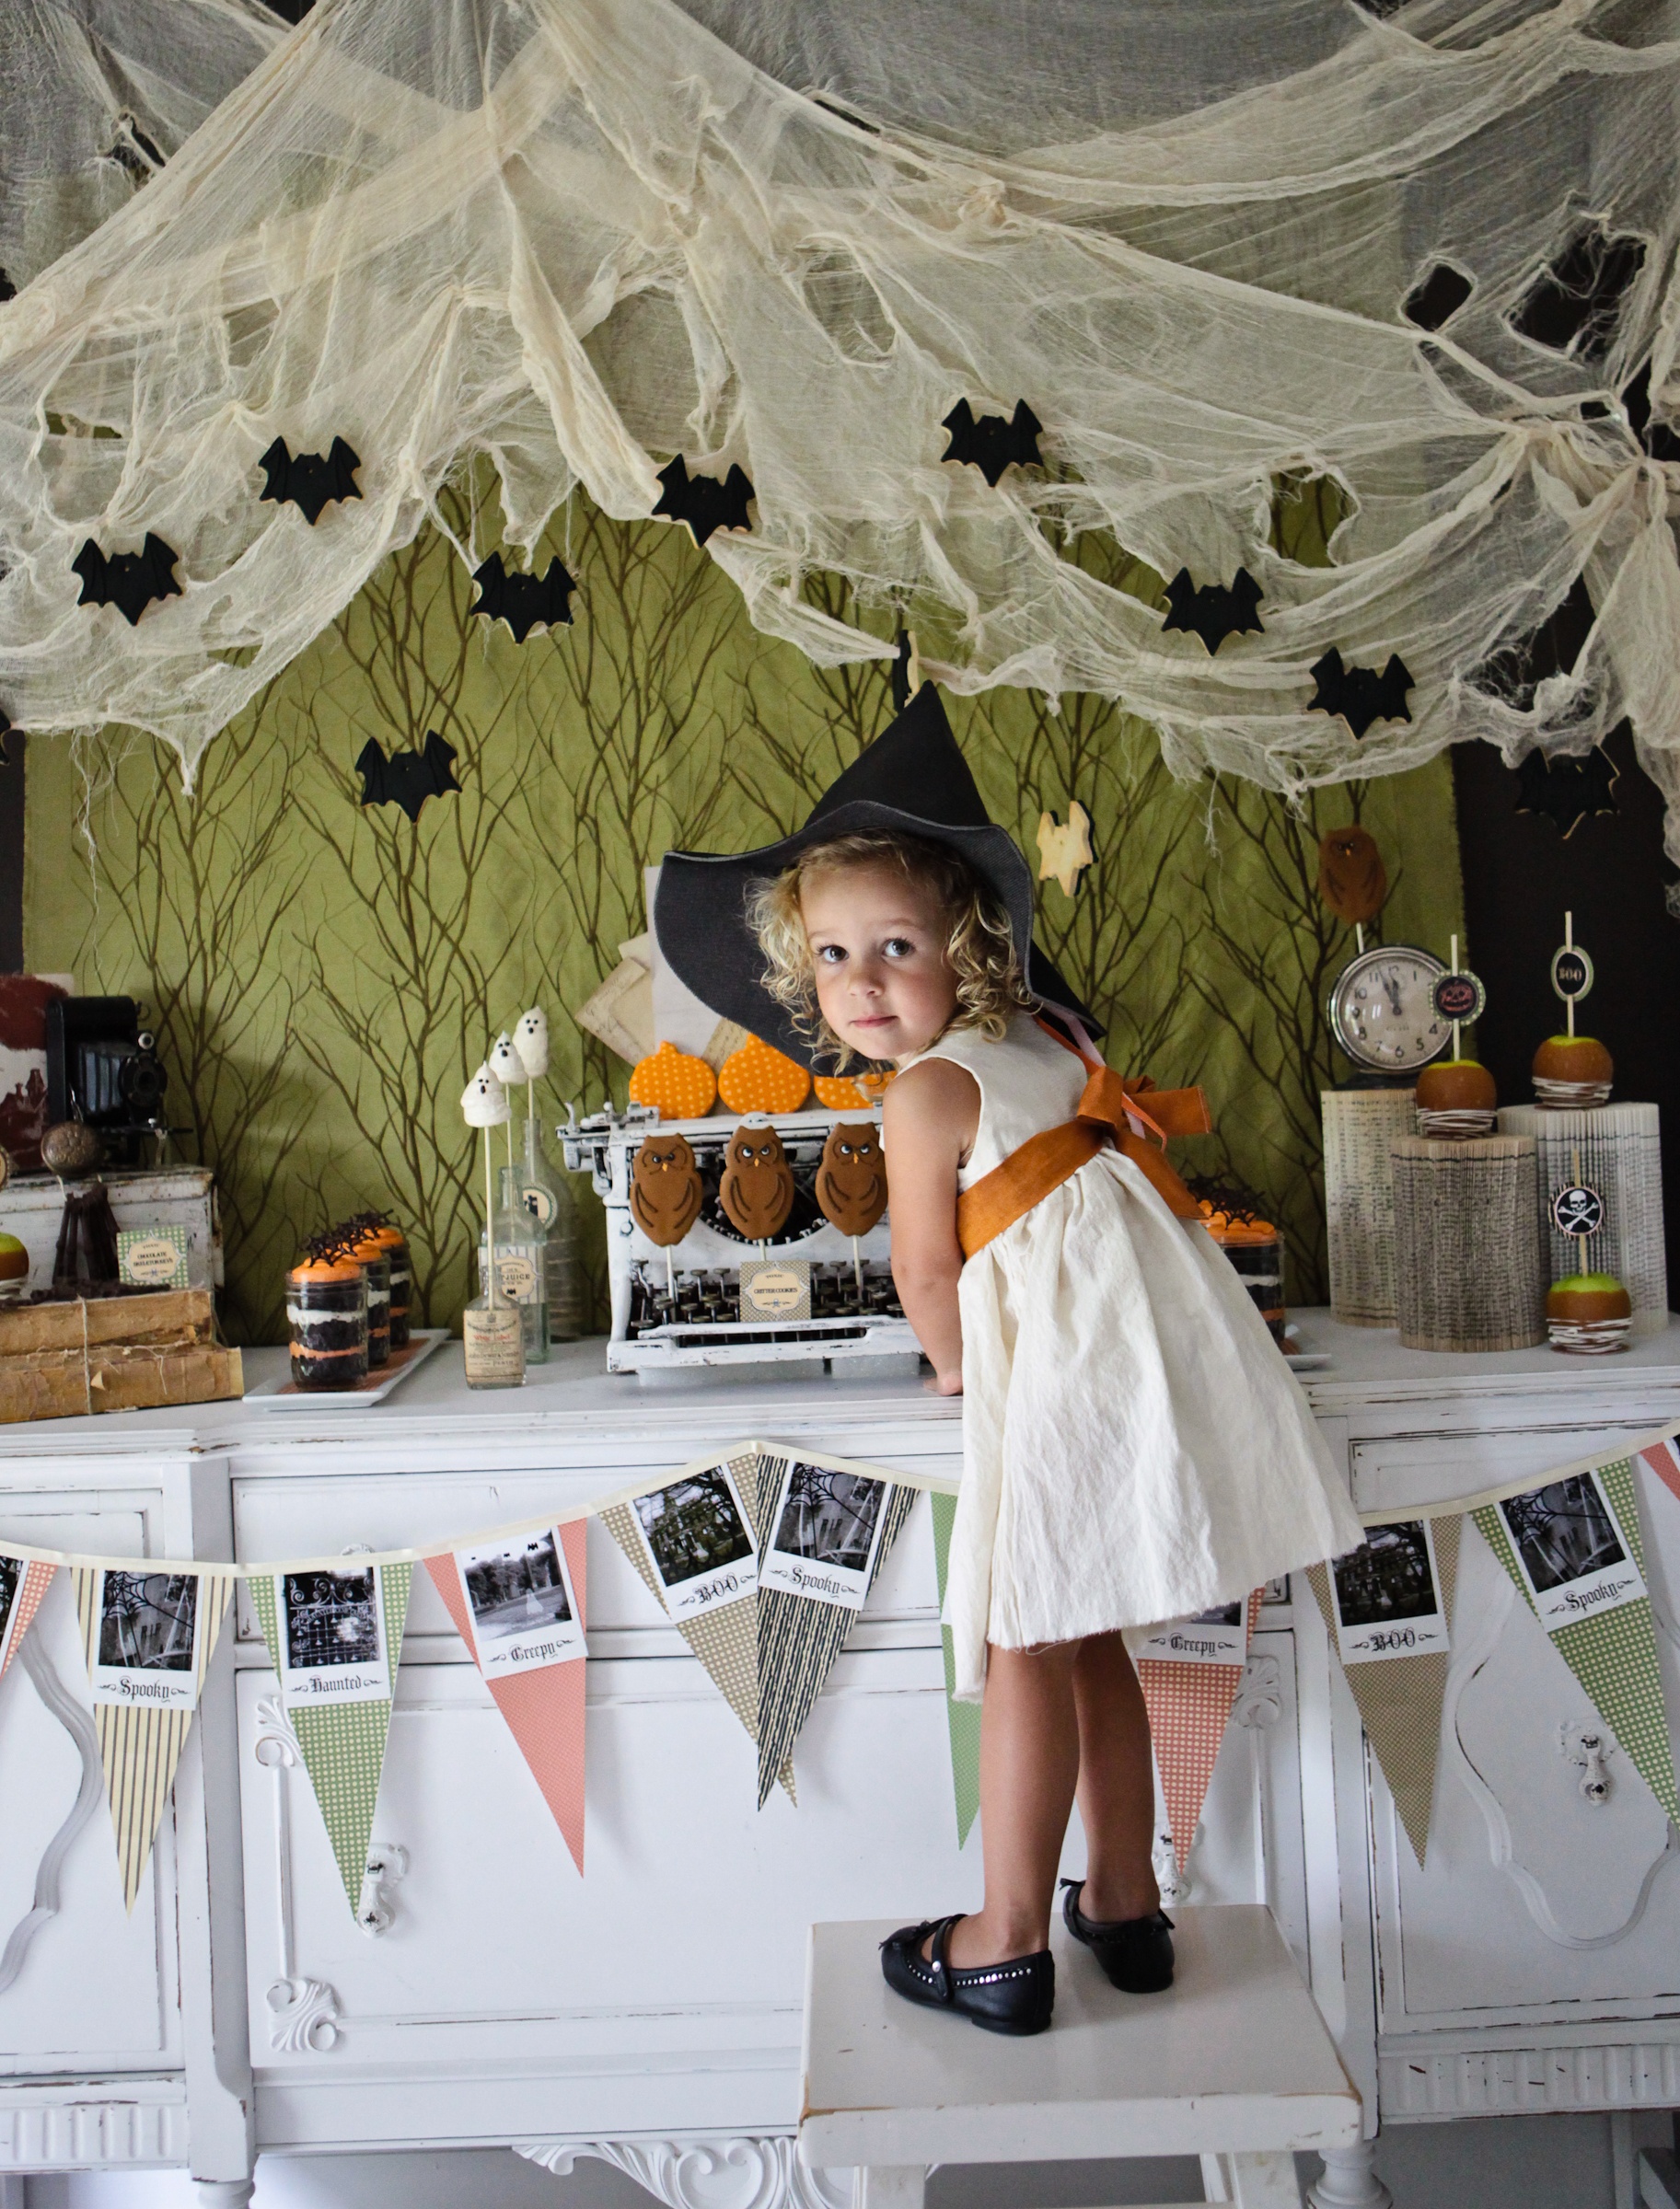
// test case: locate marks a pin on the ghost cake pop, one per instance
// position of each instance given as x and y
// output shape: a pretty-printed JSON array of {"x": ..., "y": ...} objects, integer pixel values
[
  {"x": 756, "y": 1188},
  {"x": 507, "y": 1064},
  {"x": 484, "y": 1104},
  {"x": 851, "y": 1184},
  {"x": 531, "y": 1042}
]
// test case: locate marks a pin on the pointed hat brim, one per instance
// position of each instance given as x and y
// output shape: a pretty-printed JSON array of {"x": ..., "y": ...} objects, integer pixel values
[{"x": 912, "y": 778}]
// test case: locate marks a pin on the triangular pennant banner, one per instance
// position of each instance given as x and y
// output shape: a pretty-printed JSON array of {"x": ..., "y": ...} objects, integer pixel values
[
  {"x": 1663, "y": 1459},
  {"x": 335, "y": 1636},
  {"x": 1190, "y": 1674},
  {"x": 520, "y": 1607},
  {"x": 1574, "y": 1549},
  {"x": 800, "y": 1636},
  {"x": 1399, "y": 1692},
  {"x": 723, "y": 1637},
  {"x": 148, "y": 1637},
  {"x": 23, "y": 1582},
  {"x": 962, "y": 1719}
]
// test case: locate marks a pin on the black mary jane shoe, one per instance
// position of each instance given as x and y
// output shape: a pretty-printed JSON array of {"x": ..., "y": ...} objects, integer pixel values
[
  {"x": 1135, "y": 1952},
  {"x": 1015, "y": 1997}
]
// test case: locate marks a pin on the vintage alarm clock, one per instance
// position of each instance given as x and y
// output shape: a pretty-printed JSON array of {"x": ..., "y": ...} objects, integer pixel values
[{"x": 1382, "y": 1009}]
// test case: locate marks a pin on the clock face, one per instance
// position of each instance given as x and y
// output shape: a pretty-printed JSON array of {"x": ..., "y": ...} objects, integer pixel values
[{"x": 1382, "y": 1008}]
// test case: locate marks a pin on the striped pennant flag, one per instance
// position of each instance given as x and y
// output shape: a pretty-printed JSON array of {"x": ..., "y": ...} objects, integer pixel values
[{"x": 148, "y": 1637}]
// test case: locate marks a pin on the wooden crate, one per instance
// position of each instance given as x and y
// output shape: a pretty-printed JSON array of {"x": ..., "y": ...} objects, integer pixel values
[{"x": 115, "y": 1353}]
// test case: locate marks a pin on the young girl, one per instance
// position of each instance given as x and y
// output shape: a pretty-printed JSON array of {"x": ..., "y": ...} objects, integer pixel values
[{"x": 1135, "y": 1448}]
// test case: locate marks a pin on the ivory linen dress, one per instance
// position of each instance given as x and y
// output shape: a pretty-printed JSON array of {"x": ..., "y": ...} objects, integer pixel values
[{"x": 1134, "y": 1448}]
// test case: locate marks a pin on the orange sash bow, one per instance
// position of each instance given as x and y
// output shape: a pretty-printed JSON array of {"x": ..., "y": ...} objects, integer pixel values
[{"x": 1107, "y": 1111}]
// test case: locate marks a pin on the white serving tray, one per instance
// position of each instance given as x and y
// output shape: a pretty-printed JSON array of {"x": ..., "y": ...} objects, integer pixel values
[{"x": 283, "y": 1394}]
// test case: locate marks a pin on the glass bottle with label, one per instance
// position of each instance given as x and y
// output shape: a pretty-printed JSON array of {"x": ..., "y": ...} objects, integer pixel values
[
  {"x": 521, "y": 1264},
  {"x": 549, "y": 1199}
]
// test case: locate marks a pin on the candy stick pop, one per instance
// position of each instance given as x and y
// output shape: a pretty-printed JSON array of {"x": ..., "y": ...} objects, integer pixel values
[{"x": 484, "y": 1104}]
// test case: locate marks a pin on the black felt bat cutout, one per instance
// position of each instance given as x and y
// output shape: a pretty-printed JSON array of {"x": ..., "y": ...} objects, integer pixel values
[
  {"x": 702, "y": 501},
  {"x": 407, "y": 779},
  {"x": 129, "y": 581},
  {"x": 1566, "y": 791},
  {"x": 1213, "y": 611},
  {"x": 993, "y": 441},
  {"x": 305, "y": 481},
  {"x": 9, "y": 289},
  {"x": 1359, "y": 694},
  {"x": 524, "y": 602}
]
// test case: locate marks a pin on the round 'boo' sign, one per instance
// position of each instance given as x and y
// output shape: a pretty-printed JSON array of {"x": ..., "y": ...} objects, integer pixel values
[
  {"x": 1571, "y": 973},
  {"x": 1577, "y": 1210}
]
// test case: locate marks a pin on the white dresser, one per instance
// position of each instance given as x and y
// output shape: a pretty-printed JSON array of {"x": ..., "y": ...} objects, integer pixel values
[{"x": 650, "y": 2012}]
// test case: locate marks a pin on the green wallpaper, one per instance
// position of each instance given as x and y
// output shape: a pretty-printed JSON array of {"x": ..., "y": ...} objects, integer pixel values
[{"x": 323, "y": 979}]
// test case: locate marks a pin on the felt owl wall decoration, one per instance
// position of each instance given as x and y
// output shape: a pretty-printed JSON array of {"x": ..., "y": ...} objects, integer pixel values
[
  {"x": 757, "y": 1190},
  {"x": 665, "y": 1190},
  {"x": 1352, "y": 880},
  {"x": 852, "y": 1179}
]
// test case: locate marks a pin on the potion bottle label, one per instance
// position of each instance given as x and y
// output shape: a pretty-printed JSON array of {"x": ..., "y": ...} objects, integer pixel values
[
  {"x": 539, "y": 1202},
  {"x": 517, "y": 1277}
]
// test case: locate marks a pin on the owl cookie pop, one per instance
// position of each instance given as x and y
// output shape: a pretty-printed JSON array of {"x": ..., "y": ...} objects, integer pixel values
[{"x": 851, "y": 1184}]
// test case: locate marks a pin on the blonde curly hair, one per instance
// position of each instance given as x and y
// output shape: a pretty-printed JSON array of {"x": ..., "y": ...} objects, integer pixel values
[{"x": 978, "y": 943}]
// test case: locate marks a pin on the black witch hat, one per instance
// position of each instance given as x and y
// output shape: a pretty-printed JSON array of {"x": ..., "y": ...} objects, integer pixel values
[{"x": 912, "y": 778}]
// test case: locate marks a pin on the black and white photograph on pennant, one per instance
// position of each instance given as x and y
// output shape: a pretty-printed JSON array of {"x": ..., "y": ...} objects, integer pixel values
[
  {"x": 146, "y": 1656},
  {"x": 520, "y": 1599},
  {"x": 331, "y": 1627},
  {"x": 1571, "y": 1550},
  {"x": 827, "y": 1528},
  {"x": 1219, "y": 1635},
  {"x": 1387, "y": 1595},
  {"x": 699, "y": 1542}
]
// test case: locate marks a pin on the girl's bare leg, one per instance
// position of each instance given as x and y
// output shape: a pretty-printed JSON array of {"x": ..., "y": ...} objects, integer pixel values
[
  {"x": 1116, "y": 1788},
  {"x": 1030, "y": 1735}
]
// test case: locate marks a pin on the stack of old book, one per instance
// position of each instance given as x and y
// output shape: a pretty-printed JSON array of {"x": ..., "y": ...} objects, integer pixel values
[{"x": 129, "y": 1352}]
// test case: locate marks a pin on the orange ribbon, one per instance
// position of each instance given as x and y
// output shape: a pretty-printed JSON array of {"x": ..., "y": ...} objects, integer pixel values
[{"x": 1109, "y": 1112}]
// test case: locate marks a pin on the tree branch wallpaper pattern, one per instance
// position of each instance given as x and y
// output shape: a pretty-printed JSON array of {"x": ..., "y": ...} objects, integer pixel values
[{"x": 323, "y": 976}]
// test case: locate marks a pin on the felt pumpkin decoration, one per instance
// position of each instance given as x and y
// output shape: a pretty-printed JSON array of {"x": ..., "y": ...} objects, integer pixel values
[
  {"x": 1352, "y": 880},
  {"x": 665, "y": 1189},
  {"x": 756, "y": 1189},
  {"x": 852, "y": 1179},
  {"x": 679, "y": 1087},
  {"x": 756, "y": 1079}
]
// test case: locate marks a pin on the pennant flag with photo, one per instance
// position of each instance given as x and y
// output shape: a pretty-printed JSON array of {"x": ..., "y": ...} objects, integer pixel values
[
  {"x": 824, "y": 1531},
  {"x": 695, "y": 1543},
  {"x": 334, "y": 1632},
  {"x": 1388, "y": 1607},
  {"x": 1573, "y": 1547},
  {"x": 148, "y": 1636},
  {"x": 962, "y": 1719},
  {"x": 1189, "y": 1671},
  {"x": 23, "y": 1582},
  {"x": 518, "y": 1603}
]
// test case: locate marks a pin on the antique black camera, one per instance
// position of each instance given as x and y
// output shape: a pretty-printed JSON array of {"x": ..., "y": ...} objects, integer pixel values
[{"x": 103, "y": 1069}]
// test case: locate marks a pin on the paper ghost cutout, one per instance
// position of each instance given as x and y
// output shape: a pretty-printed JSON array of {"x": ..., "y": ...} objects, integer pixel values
[
  {"x": 1352, "y": 880},
  {"x": 756, "y": 1189},
  {"x": 484, "y": 1100},
  {"x": 531, "y": 1040},
  {"x": 524, "y": 602},
  {"x": 1359, "y": 694},
  {"x": 407, "y": 779},
  {"x": 1212, "y": 611},
  {"x": 1064, "y": 852},
  {"x": 305, "y": 481},
  {"x": 665, "y": 1192},
  {"x": 129, "y": 581},
  {"x": 992, "y": 442},
  {"x": 1566, "y": 791},
  {"x": 702, "y": 502},
  {"x": 851, "y": 1178}
]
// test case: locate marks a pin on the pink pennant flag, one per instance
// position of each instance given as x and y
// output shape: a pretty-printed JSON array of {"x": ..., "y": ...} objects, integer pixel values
[
  {"x": 1189, "y": 1672},
  {"x": 27, "y": 1592},
  {"x": 518, "y": 1605},
  {"x": 1664, "y": 1462}
]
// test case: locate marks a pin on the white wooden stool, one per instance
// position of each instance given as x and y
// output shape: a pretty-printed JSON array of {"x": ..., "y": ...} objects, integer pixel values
[{"x": 1232, "y": 2064}]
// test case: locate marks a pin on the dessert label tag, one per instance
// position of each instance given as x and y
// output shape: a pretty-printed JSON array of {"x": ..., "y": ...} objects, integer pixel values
[
  {"x": 152, "y": 1257},
  {"x": 775, "y": 1289}
]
